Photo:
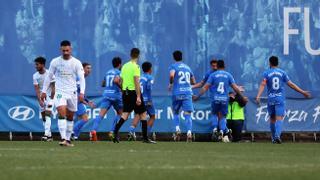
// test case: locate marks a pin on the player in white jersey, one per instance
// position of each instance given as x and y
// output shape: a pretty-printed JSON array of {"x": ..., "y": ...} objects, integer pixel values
[
  {"x": 46, "y": 106},
  {"x": 66, "y": 69}
]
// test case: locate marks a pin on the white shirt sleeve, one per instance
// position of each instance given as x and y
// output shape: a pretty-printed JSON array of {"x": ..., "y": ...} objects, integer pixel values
[
  {"x": 80, "y": 75},
  {"x": 35, "y": 82},
  {"x": 48, "y": 79}
]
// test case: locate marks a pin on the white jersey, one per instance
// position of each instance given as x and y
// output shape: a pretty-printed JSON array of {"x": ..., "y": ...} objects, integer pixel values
[
  {"x": 66, "y": 72},
  {"x": 38, "y": 79}
]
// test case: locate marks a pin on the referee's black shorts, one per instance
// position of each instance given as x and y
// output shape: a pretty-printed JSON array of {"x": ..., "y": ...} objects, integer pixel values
[{"x": 129, "y": 99}]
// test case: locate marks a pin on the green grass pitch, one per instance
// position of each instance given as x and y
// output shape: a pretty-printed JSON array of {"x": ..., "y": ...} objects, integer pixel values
[{"x": 165, "y": 161}]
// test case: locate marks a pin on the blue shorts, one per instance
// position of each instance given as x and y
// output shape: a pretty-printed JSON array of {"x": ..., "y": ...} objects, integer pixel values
[
  {"x": 150, "y": 108},
  {"x": 276, "y": 109},
  {"x": 82, "y": 109},
  {"x": 219, "y": 106},
  {"x": 182, "y": 102},
  {"x": 108, "y": 102}
]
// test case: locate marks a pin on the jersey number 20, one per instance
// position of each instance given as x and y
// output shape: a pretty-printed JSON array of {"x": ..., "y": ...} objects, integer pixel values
[{"x": 184, "y": 77}]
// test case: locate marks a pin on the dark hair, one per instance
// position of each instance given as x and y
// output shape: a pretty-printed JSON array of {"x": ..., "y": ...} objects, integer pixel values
[
  {"x": 65, "y": 43},
  {"x": 177, "y": 55},
  {"x": 273, "y": 60},
  {"x": 146, "y": 66},
  {"x": 135, "y": 52},
  {"x": 220, "y": 64},
  {"x": 116, "y": 61},
  {"x": 213, "y": 61},
  {"x": 85, "y": 64},
  {"x": 40, "y": 60}
]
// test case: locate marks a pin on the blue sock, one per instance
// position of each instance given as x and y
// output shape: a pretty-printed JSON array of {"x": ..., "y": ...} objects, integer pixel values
[
  {"x": 214, "y": 121},
  {"x": 278, "y": 128},
  {"x": 96, "y": 123},
  {"x": 115, "y": 121},
  {"x": 223, "y": 125},
  {"x": 273, "y": 130},
  {"x": 77, "y": 127},
  {"x": 188, "y": 121},
  {"x": 131, "y": 129},
  {"x": 176, "y": 120},
  {"x": 149, "y": 129}
]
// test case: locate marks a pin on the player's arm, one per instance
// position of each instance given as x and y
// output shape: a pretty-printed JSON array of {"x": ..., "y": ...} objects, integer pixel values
[
  {"x": 202, "y": 91},
  {"x": 136, "y": 78},
  {"x": 117, "y": 81},
  {"x": 53, "y": 89},
  {"x": 171, "y": 78},
  {"x": 47, "y": 80},
  {"x": 103, "y": 83},
  {"x": 193, "y": 80},
  {"x": 237, "y": 90},
  {"x": 298, "y": 89},
  {"x": 82, "y": 82},
  {"x": 261, "y": 89},
  {"x": 198, "y": 85}
]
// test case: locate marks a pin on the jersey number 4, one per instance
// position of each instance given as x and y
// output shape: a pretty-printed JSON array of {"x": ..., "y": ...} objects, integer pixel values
[{"x": 220, "y": 88}]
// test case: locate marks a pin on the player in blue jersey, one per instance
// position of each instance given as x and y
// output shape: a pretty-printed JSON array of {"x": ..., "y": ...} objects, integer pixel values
[
  {"x": 275, "y": 79},
  {"x": 181, "y": 79},
  {"x": 219, "y": 84},
  {"x": 146, "y": 82},
  {"x": 200, "y": 84},
  {"x": 111, "y": 97},
  {"x": 82, "y": 106}
]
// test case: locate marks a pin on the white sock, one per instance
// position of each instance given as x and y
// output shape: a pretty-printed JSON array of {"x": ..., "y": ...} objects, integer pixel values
[
  {"x": 47, "y": 126},
  {"x": 69, "y": 130},
  {"x": 177, "y": 128},
  {"x": 62, "y": 124}
]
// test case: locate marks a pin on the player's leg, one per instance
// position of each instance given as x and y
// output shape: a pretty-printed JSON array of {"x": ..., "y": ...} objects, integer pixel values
[
  {"x": 135, "y": 121},
  {"x": 223, "y": 111},
  {"x": 280, "y": 112},
  {"x": 142, "y": 112},
  {"x": 176, "y": 105},
  {"x": 43, "y": 118},
  {"x": 72, "y": 105},
  {"x": 105, "y": 105},
  {"x": 47, "y": 123},
  {"x": 152, "y": 116},
  {"x": 61, "y": 104},
  {"x": 118, "y": 107},
  {"x": 187, "y": 107},
  {"x": 82, "y": 120},
  {"x": 272, "y": 118},
  {"x": 215, "y": 121},
  {"x": 128, "y": 105}
]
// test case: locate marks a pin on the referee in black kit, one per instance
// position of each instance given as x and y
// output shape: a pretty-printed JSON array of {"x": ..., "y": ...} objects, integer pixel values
[{"x": 131, "y": 96}]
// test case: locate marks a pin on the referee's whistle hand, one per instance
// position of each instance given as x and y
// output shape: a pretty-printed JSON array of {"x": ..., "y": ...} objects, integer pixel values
[{"x": 138, "y": 102}]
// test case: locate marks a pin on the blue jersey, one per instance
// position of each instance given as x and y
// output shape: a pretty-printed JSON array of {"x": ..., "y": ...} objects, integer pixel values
[
  {"x": 220, "y": 82},
  {"x": 182, "y": 78},
  {"x": 276, "y": 79},
  {"x": 146, "y": 82},
  {"x": 206, "y": 76},
  {"x": 112, "y": 90}
]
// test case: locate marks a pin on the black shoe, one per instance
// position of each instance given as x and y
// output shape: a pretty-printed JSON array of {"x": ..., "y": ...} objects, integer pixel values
[
  {"x": 215, "y": 136},
  {"x": 115, "y": 138},
  {"x": 277, "y": 141},
  {"x": 149, "y": 141}
]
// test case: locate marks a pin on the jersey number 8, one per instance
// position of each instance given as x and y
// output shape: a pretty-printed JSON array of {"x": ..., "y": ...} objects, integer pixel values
[{"x": 275, "y": 83}]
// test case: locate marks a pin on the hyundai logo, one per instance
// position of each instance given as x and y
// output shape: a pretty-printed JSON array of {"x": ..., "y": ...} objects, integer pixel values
[{"x": 21, "y": 113}]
